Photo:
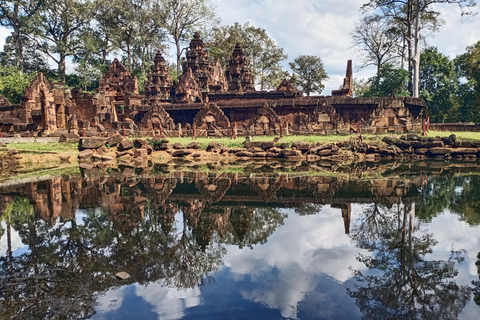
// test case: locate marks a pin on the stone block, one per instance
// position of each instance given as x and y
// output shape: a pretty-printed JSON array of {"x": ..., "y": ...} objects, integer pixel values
[
  {"x": 114, "y": 140},
  {"x": 143, "y": 153},
  {"x": 69, "y": 138},
  {"x": 91, "y": 143},
  {"x": 85, "y": 154},
  {"x": 193, "y": 145},
  {"x": 439, "y": 151},
  {"x": 181, "y": 153},
  {"x": 125, "y": 145}
]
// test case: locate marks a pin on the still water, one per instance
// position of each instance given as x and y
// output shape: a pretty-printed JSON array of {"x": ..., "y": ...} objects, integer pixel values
[{"x": 403, "y": 244}]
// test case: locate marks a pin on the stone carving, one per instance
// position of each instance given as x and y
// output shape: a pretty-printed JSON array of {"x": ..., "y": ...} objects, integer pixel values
[
  {"x": 157, "y": 119},
  {"x": 211, "y": 121},
  {"x": 287, "y": 86},
  {"x": 187, "y": 89},
  {"x": 198, "y": 61},
  {"x": 347, "y": 89},
  {"x": 39, "y": 96},
  {"x": 266, "y": 121},
  {"x": 159, "y": 82},
  {"x": 238, "y": 75}
]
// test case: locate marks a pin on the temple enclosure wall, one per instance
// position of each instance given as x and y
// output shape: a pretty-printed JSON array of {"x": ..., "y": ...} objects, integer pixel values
[{"x": 206, "y": 101}]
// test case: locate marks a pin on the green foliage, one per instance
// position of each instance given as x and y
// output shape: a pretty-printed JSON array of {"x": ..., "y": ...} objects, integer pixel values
[
  {"x": 13, "y": 83},
  {"x": 438, "y": 83},
  {"x": 388, "y": 81},
  {"x": 262, "y": 53},
  {"x": 310, "y": 73}
]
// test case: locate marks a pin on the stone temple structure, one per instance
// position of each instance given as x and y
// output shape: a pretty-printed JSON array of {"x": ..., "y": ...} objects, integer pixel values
[{"x": 205, "y": 98}]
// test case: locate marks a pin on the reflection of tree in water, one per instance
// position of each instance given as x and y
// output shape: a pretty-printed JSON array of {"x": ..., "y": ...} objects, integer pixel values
[
  {"x": 476, "y": 284},
  {"x": 457, "y": 193},
  {"x": 248, "y": 227},
  {"x": 400, "y": 283},
  {"x": 70, "y": 264}
]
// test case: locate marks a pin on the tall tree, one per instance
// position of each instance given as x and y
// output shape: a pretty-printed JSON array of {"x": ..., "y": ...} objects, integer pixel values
[
  {"x": 378, "y": 39},
  {"x": 262, "y": 53},
  {"x": 59, "y": 29},
  {"x": 181, "y": 17},
  {"x": 310, "y": 73},
  {"x": 410, "y": 13},
  {"x": 17, "y": 15},
  {"x": 468, "y": 66},
  {"x": 390, "y": 80},
  {"x": 438, "y": 83}
]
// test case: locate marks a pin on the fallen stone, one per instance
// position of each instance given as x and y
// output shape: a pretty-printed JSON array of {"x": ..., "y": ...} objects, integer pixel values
[
  {"x": 114, "y": 140},
  {"x": 324, "y": 153},
  {"x": 261, "y": 154},
  {"x": 91, "y": 143},
  {"x": 275, "y": 150},
  {"x": 84, "y": 154},
  {"x": 464, "y": 151},
  {"x": 107, "y": 158},
  {"x": 143, "y": 153},
  {"x": 86, "y": 166},
  {"x": 139, "y": 143},
  {"x": 212, "y": 146},
  {"x": 122, "y": 153},
  {"x": 291, "y": 153},
  {"x": 177, "y": 146},
  {"x": 69, "y": 138},
  {"x": 421, "y": 151},
  {"x": 244, "y": 154},
  {"x": 301, "y": 145},
  {"x": 65, "y": 157},
  {"x": 193, "y": 145},
  {"x": 125, "y": 145},
  {"x": 439, "y": 151},
  {"x": 181, "y": 153}
]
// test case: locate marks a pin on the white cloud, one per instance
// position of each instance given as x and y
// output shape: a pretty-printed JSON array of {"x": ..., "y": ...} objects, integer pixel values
[
  {"x": 169, "y": 303},
  {"x": 301, "y": 250}
]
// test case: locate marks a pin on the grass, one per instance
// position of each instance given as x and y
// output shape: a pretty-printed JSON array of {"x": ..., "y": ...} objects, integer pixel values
[
  {"x": 460, "y": 134},
  {"x": 48, "y": 172},
  {"x": 45, "y": 146}
]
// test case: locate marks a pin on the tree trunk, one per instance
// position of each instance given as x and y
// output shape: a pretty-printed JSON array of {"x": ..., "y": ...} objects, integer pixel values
[
  {"x": 179, "y": 53},
  {"x": 62, "y": 67},
  {"x": 416, "y": 58},
  {"x": 409, "y": 45}
]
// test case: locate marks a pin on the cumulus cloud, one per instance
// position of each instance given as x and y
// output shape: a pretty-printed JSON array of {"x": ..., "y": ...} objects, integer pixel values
[
  {"x": 301, "y": 250},
  {"x": 169, "y": 303}
]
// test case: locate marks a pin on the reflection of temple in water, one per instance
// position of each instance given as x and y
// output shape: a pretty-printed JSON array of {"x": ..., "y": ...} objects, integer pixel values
[{"x": 210, "y": 203}]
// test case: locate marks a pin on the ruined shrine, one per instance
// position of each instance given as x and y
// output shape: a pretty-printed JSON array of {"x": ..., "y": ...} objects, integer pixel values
[{"x": 205, "y": 97}]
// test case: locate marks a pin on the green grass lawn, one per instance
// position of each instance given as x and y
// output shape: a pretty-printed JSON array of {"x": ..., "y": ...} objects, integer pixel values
[
  {"x": 238, "y": 142},
  {"x": 45, "y": 146}
]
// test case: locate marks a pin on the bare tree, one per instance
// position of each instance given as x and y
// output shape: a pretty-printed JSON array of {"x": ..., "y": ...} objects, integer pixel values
[{"x": 378, "y": 41}]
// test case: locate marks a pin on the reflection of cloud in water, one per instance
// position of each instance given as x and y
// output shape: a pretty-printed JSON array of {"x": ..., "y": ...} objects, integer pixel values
[
  {"x": 111, "y": 300},
  {"x": 18, "y": 248},
  {"x": 169, "y": 303},
  {"x": 300, "y": 250}
]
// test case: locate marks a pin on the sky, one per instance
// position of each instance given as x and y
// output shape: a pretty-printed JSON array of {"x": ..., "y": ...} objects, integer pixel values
[{"x": 322, "y": 28}]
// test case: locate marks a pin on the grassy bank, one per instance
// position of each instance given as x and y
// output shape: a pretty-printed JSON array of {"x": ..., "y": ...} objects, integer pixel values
[{"x": 45, "y": 146}]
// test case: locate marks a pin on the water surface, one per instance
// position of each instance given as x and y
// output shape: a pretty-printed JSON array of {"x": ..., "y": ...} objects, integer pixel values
[{"x": 403, "y": 244}]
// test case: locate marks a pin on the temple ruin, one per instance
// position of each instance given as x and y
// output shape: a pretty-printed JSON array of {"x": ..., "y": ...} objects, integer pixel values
[{"x": 214, "y": 101}]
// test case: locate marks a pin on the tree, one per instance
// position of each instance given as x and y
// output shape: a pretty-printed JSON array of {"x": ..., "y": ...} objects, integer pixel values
[
  {"x": 59, "y": 29},
  {"x": 32, "y": 60},
  {"x": 410, "y": 14},
  {"x": 438, "y": 83},
  {"x": 378, "y": 40},
  {"x": 17, "y": 15},
  {"x": 389, "y": 80},
  {"x": 467, "y": 66},
  {"x": 13, "y": 83},
  {"x": 310, "y": 73},
  {"x": 262, "y": 53},
  {"x": 181, "y": 17}
]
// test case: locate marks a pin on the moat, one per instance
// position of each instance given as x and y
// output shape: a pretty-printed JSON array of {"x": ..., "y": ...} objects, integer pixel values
[{"x": 384, "y": 241}]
